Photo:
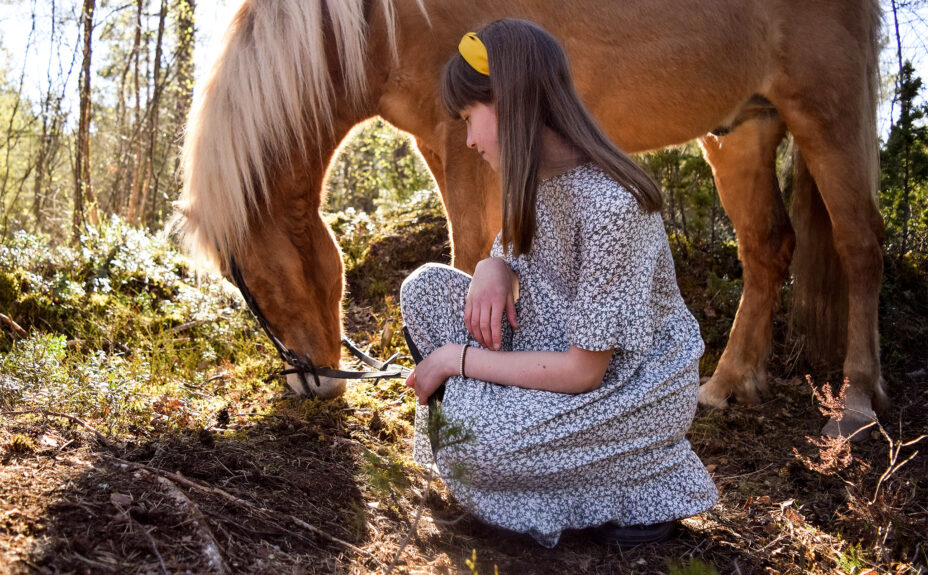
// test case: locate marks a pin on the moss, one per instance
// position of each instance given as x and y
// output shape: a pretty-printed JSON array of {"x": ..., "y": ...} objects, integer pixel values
[
  {"x": 20, "y": 443},
  {"x": 382, "y": 249},
  {"x": 693, "y": 566},
  {"x": 9, "y": 290},
  {"x": 386, "y": 474}
]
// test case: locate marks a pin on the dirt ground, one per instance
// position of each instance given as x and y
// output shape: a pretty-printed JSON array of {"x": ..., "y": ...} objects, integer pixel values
[
  {"x": 316, "y": 489},
  {"x": 277, "y": 485}
]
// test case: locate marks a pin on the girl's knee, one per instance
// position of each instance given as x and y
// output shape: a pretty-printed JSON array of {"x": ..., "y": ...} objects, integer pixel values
[
  {"x": 417, "y": 286},
  {"x": 428, "y": 285},
  {"x": 427, "y": 274}
]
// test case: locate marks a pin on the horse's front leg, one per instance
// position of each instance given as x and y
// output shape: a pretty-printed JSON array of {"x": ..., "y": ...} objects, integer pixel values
[
  {"x": 470, "y": 192},
  {"x": 743, "y": 163}
]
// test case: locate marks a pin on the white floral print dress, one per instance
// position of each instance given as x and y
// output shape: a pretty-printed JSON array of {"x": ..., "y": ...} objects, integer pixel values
[{"x": 599, "y": 276}]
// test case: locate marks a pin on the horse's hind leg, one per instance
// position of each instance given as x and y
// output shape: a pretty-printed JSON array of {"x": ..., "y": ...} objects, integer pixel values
[
  {"x": 839, "y": 151},
  {"x": 744, "y": 165}
]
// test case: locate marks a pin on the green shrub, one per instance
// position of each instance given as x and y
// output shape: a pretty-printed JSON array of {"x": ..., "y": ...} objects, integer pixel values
[{"x": 121, "y": 330}]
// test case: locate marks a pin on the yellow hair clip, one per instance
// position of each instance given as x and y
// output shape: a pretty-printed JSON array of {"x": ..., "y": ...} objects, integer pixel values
[{"x": 474, "y": 53}]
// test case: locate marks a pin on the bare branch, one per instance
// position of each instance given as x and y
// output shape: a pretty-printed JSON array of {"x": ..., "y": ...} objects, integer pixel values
[
  {"x": 210, "y": 545},
  {"x": 13, "y": 325}
]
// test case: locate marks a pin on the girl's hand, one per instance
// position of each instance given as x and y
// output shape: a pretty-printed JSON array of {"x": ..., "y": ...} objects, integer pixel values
[
  {"x": 434, "y": 370},
  {"x": 493, "y": 291}
]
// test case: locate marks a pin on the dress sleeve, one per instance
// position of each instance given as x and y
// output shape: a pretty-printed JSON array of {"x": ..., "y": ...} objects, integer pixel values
[
  {"x": 497, "y": 250},
  {"x": 619, "y": 247}
]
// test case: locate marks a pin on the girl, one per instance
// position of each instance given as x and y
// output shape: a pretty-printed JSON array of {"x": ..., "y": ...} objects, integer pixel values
[{"x": 572, "y": 412}]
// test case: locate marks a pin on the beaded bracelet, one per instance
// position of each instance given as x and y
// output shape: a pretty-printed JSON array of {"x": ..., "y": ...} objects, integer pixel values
[{"x": 463, "y": 355}]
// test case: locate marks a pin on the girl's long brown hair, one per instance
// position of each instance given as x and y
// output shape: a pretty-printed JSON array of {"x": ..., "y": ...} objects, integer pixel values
[{"x": 531, "y": 85}]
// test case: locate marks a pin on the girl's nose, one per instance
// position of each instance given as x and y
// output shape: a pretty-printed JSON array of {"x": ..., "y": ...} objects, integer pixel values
[{"x": 470, "y": 140}]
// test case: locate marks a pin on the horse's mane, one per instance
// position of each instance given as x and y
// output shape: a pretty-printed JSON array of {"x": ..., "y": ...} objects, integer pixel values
[{"x": 269, "y": 88}]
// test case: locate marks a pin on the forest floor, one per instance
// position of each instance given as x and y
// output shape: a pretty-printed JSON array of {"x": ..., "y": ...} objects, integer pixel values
[{"x": 223, "y": 472}]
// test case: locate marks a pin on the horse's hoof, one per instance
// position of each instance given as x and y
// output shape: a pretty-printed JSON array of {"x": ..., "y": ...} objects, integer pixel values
[
  {"x": 748, "y": 395},
  {"x": 710, "y": 396},
  {"x": 850, "y": 425}
]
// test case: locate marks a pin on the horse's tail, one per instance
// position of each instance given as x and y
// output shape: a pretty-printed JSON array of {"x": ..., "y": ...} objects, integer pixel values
[
  {"x": 820, "y": 296},
  {"x": 270, "y": 90}
]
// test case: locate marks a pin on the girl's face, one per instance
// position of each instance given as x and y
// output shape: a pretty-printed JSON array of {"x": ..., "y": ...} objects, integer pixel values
[{"x": 482, "y": 132}]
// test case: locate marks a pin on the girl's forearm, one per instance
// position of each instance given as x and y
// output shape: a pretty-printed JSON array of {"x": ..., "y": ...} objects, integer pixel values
[{"x": 573, "y": 371}]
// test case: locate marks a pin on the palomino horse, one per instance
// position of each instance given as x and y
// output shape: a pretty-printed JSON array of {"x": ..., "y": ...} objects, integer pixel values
[{"x": 296, "y": 75}]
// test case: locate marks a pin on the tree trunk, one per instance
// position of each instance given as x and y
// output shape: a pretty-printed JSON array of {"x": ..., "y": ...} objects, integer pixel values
[
  {"x": 154, "y": 117},
  {"x": 904, "y": 114},
  {"x": 181, "y": 89},
  {"x": 83, "y": 192},
  {"x": 185, "y": 31},
  {"x": 53, "y": 118},
  {"x": 136, "y": 141},
  {"x": 122, "y": 186}
]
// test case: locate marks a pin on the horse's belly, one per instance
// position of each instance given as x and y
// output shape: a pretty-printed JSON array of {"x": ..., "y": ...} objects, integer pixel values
[
  {"x": 653, "y": 72},
  {"x": 659, "y": 72}
]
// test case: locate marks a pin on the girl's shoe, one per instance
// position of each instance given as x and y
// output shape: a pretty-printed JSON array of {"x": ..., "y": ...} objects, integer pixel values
[{"x": 626, "y": 537}]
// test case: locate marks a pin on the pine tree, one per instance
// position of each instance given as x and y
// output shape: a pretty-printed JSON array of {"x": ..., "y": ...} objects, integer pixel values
[{"x": 904, "y": 171}]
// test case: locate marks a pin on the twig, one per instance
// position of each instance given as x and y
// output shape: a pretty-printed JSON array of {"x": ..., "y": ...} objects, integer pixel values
[
  {"x": 186, "y": 326},
  {"x": 53, "y": 458},
  {"x": 17, "y": 329},
  {"x": 894, "y": 450},
  {"x": 412, "y": 528},
  {"x": 91, "y": 561},
  {"x": 723, "y": 478},
  {"x": 151, "y": 540},
  {"x": 154, "y": 547},
  {"x": 237, "y": 523},
  {"x": 100, "y": 437},
  {"x": 450, "y": 522},
  {"x": 693, "y": 551},
  {"x": 210, "y": 546},
  {"x": 178, "y": 478}
]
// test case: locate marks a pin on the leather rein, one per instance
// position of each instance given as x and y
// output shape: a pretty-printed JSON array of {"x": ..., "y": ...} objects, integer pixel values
[{"x": 302, "y": 364}]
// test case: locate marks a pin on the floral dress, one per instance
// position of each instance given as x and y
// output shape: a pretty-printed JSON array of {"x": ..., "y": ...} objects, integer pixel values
[{"x": 599, "y": 276}]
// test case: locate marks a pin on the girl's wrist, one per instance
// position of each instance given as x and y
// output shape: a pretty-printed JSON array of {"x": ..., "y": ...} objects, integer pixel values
[
  {"x": 463, "y": 359},
  {"x": 451, "y": 359}
]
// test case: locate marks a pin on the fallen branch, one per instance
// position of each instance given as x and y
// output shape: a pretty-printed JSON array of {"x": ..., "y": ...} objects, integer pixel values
[
  {"x": 266, "y": 513},
  {"x": 105, "y": 566},
  {"x": 17, "y": 329},
  {"x": 412, "y": 528},
  {"x": 210, "y": 546},
  {"x": 100, "y": 437}
]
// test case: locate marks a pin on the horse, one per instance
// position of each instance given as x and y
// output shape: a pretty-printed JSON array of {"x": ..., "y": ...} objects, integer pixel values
[{"x": 294, "y": 76}]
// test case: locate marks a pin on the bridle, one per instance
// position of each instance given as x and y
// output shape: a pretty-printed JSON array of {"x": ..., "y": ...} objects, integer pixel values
[{"x": 302, "y": 364}]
